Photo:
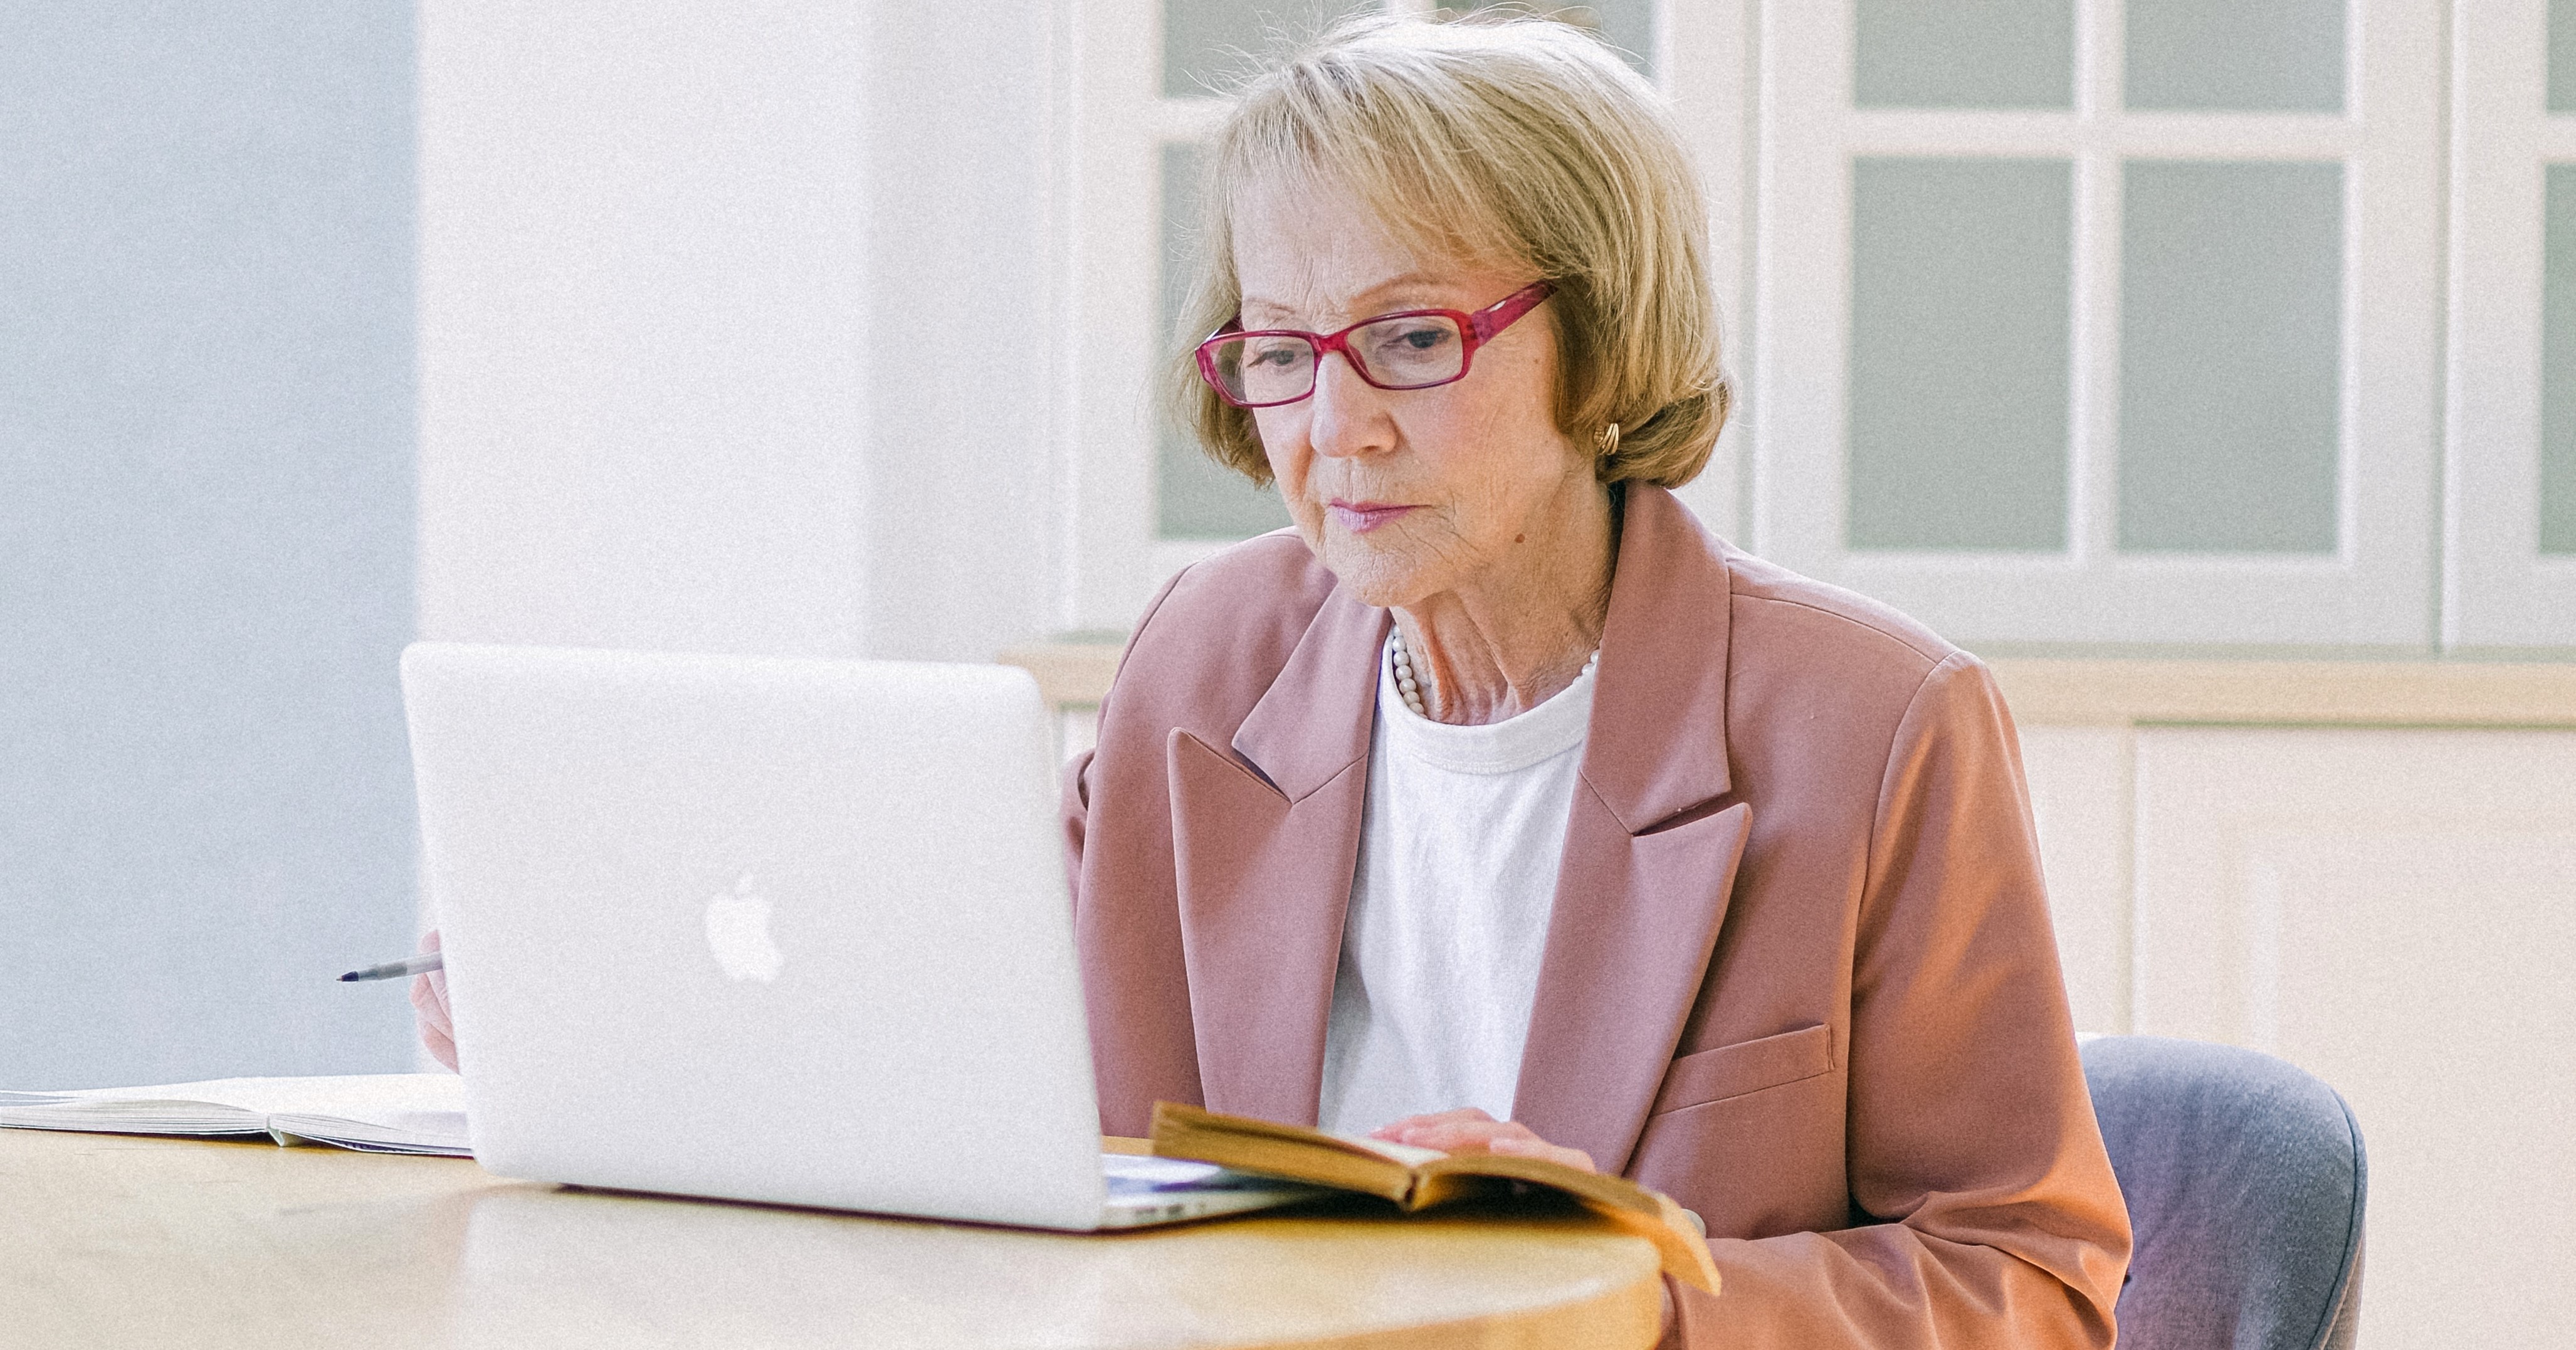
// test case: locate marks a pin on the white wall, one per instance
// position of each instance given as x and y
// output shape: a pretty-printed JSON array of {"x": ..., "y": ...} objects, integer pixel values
[
  {"x": 2080, "y": 800},
  {"x": 2389, "y": 909},
  {"x": 733, "y": 326}
]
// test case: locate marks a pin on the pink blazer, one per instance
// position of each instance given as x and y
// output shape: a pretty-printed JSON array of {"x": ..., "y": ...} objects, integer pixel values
[{"x": 1799, "y": 973}]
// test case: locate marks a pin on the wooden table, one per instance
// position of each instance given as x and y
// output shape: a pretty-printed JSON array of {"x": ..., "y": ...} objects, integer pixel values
[{"x": 109, "y": 1241}]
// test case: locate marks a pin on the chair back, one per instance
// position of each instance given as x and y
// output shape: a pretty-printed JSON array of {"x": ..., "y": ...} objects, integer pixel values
[{"x": 2245, "y": 1179}]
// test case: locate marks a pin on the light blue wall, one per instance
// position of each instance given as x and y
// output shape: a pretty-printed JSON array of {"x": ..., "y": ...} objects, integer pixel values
[{"x": 206, "y": 536}]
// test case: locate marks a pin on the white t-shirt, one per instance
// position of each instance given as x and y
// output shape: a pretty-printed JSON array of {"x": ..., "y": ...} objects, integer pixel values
[{"x": 1449, "y": 906}]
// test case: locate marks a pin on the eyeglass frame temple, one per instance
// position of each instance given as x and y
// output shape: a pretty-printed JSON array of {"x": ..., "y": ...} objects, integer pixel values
[{"x": 1477, "y": 329}]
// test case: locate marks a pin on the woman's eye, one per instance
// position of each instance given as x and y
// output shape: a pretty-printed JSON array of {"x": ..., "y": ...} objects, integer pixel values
[
  {"x": 1276, "y": 357},
  {"x": 1414, "y": 341}
]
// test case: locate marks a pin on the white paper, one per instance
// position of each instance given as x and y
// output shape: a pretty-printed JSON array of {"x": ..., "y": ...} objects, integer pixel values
[{"x": 398, "y": 1112}]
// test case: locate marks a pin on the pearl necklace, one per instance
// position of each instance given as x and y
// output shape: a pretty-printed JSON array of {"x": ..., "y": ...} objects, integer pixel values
[{"x": 1410, "y": 685}]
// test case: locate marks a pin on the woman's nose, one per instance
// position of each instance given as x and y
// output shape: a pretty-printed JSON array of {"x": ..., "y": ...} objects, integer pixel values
[{"x": 1346, "y": 416}]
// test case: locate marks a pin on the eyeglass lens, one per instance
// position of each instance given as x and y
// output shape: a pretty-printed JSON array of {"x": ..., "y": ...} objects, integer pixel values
[{"x": 1404, "y": 352}]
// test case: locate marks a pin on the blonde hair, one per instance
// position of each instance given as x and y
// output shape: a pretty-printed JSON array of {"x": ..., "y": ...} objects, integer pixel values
[{"x": 1522, "y": 144}]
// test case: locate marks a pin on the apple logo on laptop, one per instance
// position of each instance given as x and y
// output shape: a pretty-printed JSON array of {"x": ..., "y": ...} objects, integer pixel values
[{"x": 738, "y": 933}]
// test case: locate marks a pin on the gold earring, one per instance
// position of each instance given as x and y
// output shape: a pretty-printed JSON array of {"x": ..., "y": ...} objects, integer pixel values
[{"x": 1608, "y": 440}]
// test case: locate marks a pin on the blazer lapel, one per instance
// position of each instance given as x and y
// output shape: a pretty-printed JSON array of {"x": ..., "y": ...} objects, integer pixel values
[
  {"x": 1650, "y": 856},
  {"x": 1265, "y": 838}
]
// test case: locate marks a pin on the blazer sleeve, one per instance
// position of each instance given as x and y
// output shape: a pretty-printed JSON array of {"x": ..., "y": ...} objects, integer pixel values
[
  {"x": 1076, "y": 812},
  {"x": 1126, "y": 915},
  {"x": 1985, "y": 1211},
  {"x": 1075, "y": 807}
]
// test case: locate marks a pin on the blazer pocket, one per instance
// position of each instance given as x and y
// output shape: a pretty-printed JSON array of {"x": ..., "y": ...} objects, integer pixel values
[{"x": 1746, "y": 1066}]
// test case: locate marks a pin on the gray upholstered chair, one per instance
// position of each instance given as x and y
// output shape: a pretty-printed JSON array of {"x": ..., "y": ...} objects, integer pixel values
[{"x": 2245, "y": 1179}]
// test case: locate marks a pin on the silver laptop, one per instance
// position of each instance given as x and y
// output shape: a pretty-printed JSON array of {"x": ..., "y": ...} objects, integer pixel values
[{"x": 779, "y": 930}]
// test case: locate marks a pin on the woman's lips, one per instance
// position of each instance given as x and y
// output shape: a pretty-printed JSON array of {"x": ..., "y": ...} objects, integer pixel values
[{"x": 1362, "y": 517}]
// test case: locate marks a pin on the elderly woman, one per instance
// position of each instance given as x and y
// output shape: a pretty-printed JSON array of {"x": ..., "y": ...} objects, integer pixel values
[{"x": 1500, "y": 806}]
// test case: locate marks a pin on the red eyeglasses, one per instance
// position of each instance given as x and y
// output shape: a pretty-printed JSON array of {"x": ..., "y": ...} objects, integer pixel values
[{"x": 1409, "y": 349}]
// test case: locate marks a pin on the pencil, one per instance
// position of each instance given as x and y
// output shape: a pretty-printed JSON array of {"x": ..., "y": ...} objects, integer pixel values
[{"x": 395, "y": 970}]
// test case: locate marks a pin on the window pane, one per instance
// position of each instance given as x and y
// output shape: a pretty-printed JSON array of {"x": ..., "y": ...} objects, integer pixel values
[
  {"x": 1964, "y": 54},
  {"x": 1205, "y": 41},
  {"x": 2558, "y": 369},
  {"x": 2230, "y": 356},
  {"x": 1959, "y": 353},
  {"x": 2562, "y": 56},
  {"x": 1195, "y": 498},
  {"x": 2266, "y": 56},
  {"x": 1628, "y": 25}
]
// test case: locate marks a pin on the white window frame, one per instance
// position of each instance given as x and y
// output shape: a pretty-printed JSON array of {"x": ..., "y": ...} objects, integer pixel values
[
  {"x": 1108, "y": 82},
  {"x": 2498, "y": 589},
  {"x": 1111, "y": 123},
  {"x": 2376, "y": 590}
]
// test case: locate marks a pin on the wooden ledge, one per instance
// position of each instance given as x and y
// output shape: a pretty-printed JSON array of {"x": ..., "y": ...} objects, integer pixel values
[
  {"x": 2060, "y": 692},
  {"x": 2055, "y": 691},
  {"x": 1070, "y": 674}
]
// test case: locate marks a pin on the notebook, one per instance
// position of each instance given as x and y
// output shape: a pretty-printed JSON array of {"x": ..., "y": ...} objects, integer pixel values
[{"x": 420, "y": 1113}]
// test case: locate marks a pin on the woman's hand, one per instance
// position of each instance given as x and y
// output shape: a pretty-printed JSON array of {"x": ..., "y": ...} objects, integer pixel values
[
  {"x": 429, "y": 999},
  {"x": 1469, "y": 1130}
]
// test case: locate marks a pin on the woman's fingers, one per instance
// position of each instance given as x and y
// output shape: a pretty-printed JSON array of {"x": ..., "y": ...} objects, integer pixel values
[
  {"x": 440, "y": 1046},
  {"x": 437, "y": 1034},
  {"x": 1472, "y": 1131},
  {"x": 429, "y": 1000},
  {"x": 1451, "y": 1134},
  {"x": 1396, "y": 1130},
  {"x": 1528, "y": 1145}
]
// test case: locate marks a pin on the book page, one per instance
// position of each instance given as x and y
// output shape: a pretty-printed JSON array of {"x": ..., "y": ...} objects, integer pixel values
[
  {"x": 1411, "y": 1155},
  {"x": 375, "y": 1098},
  {"x": 441, "y": 1133},
  {"x": 396, "y": 1112}
]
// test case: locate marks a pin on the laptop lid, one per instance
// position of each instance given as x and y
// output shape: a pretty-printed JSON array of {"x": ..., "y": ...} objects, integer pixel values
[{"x": 782, "y": 930}]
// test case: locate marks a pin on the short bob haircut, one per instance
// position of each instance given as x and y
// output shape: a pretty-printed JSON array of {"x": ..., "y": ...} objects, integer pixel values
[{"x": 1523, "y": 144}]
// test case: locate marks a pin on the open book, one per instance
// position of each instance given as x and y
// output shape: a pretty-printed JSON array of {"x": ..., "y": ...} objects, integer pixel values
[
  {"x": 1420, "y": 1178},
  {"x": 374, "y": 1113}
]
